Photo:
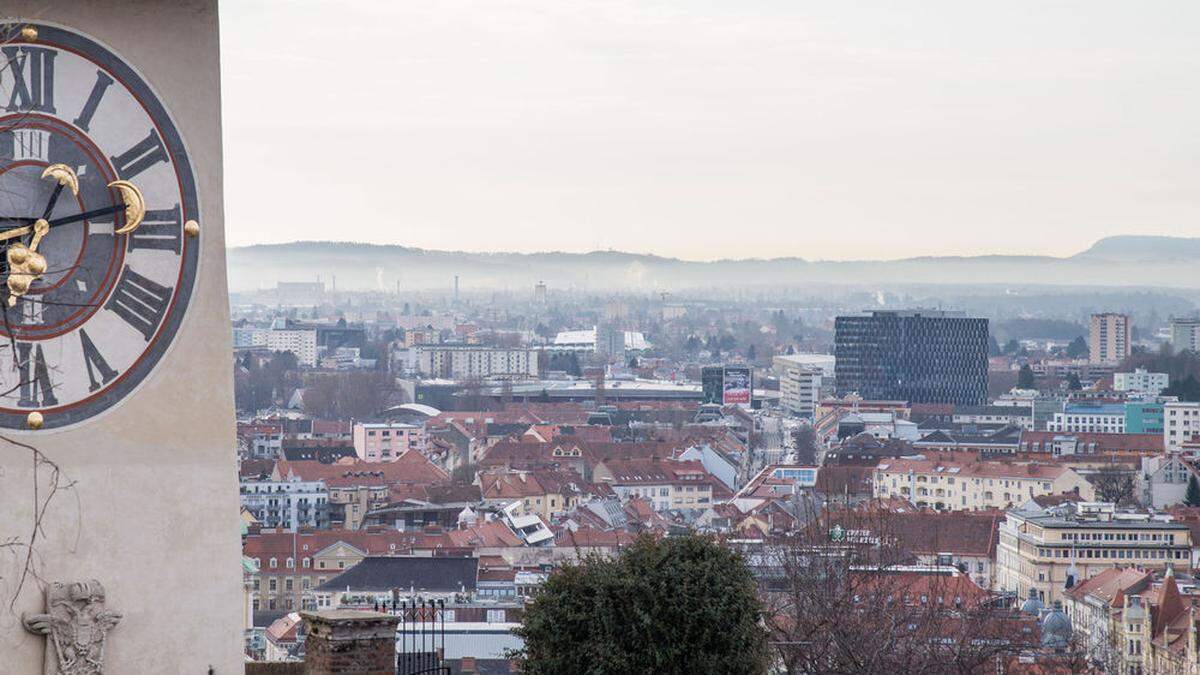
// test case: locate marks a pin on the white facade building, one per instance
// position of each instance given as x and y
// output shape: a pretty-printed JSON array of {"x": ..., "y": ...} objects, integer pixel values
[
  {"x": 1105, "y": 419},
  {"x": 1185, "y": 334},
  {"x": 1141, "y": 382},
  {"x": 463, "y": 362},
  {"x": 1181, "y": 423},
  {"x": 803, "y": 378},
  {"x": 300, "y": 341},
  {"x": 287, "y": 504},
  {"x": 586, "y": 341},
  {"x": 249, "y": 336}
]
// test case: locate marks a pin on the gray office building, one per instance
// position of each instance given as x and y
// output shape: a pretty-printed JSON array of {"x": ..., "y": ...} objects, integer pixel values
[{"x": 917, "y": 356}]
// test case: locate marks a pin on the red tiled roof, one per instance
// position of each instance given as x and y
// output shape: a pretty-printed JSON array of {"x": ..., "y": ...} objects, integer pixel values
[
  {"x": 491, "y": 534},
  {"x": 972, "y": 469},
  {"x": 646, "y": 471},
  {"x": 591, "y": 537},
  {"x": 255, "y": 468},
  {"x": 330, "y": 428},
  {"x": 1111, "y": 584},
  {"x": 960, "y": 533},
  {"x": 847, "y": 479},
  {"x": 410, "y": 467},
  {"x": 284, "y": 545}
]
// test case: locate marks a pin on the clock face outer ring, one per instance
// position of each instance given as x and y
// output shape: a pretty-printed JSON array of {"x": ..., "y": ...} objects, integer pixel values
[{"x": 126, "y": 382}]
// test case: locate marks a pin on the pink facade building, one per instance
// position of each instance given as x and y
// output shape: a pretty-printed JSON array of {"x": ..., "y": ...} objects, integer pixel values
[{"x": 386, "y": 441}]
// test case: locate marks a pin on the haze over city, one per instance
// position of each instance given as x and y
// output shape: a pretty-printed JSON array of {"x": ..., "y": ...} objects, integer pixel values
[{"x": 714, "y": 130}]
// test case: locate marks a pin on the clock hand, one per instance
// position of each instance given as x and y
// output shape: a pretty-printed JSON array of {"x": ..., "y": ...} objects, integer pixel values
[
  {"x": 65, "y": 220},
  {"x": 134, "y": 206},
  {"x": 25, "y": 264},
  {"x": 105, "y": 211}
]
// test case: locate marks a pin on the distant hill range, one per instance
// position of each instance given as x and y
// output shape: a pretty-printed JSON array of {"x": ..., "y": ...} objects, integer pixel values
[{"x": 1114, "y": 261}]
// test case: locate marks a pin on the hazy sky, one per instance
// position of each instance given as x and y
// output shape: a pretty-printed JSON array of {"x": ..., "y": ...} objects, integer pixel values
[{"x": 827, "y": 130}]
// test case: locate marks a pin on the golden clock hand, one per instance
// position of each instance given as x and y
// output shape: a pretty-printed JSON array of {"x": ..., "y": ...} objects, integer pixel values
[
  {"x": 25, "y": 264},
  {"x": 40, "y": 228},
  {"x": 24, "y": 230}
]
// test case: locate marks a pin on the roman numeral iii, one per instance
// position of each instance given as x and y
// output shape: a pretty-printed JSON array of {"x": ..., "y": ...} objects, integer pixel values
[{"x": 160, "y": 229}]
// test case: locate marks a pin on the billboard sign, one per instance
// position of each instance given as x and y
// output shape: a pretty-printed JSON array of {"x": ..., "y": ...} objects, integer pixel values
[{"x": 737, "y": 385}]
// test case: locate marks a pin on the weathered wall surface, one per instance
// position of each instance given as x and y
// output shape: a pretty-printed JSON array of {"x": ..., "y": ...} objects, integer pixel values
[{"x": 153, "y": 510}]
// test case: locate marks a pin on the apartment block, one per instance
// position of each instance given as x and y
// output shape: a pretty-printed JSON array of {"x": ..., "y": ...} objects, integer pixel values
[
  {"x": 386, "y": 441},
  {"x": 1040, "y": 550},
  {"x": 1109, "y": 339},
  {"x": 1181, "y": 423},
  {"x": 803, "y": 380},
  {"x": 972, "y": 485}
]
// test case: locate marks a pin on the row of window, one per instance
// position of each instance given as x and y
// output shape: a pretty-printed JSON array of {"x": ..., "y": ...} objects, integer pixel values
[
  {"x": 1114, "y": 554},
  {"x": 306, "y": 563},
  {"x": 1118, "y": 536}
]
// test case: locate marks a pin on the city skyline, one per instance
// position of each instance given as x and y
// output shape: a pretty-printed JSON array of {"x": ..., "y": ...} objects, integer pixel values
[{"x": 832, "y": 132}]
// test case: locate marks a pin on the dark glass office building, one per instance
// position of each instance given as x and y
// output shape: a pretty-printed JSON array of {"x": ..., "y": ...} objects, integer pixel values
[{"x": 916, "y": 356}]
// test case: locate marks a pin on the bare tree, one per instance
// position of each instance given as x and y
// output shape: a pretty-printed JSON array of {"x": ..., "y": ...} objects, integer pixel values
[
  {"x": 844, "y": 596},
  {"x": 1113, "y": 484},
  {"x": 804, "y": 439}
]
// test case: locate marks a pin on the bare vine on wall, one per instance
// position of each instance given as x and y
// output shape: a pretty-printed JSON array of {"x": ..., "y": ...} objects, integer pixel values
[{"x": 48, "y": 478}]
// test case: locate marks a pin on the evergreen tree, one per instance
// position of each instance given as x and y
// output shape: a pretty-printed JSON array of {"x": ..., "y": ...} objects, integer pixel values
[
  {"x": 1025, "y": 379},
  {"x": 682, "y": 604},
  {"x": 1193, "y": 492},
  {"x": 1078, "y": 348}
]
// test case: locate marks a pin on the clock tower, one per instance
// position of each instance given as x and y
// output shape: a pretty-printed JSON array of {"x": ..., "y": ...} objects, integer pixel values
[{"x": 119, "y": 533}]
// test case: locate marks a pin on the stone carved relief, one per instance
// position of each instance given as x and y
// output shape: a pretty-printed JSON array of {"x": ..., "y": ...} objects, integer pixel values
[{"x": 76, "y": 625}]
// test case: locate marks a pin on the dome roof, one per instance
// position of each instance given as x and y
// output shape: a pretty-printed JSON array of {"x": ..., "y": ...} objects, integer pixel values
[
  {"x": 1056, "y": 628},
  {"x": 1032, "y": 605}
]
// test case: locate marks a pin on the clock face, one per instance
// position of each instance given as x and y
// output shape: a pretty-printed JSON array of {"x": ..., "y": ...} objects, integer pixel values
[{"x": 94, "y": 181}]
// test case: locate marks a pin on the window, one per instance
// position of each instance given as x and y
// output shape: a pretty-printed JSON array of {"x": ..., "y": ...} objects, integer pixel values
[
  {"x": 495, "y": 616},
  {"x": 274, "y": 562}
]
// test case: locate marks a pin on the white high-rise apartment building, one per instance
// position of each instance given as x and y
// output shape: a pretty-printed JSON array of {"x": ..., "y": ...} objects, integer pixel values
[
  {"x": 462, "y": 362},
  {"x": 1109, "y": 339},
  {"x": 300, "y": 341},
  {"x": 1185, "y": 334},
  {"x": 802, "y": 379}
]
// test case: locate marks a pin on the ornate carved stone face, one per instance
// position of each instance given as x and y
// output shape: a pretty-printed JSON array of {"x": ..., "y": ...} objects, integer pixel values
[{"x": 76, "y": 625}]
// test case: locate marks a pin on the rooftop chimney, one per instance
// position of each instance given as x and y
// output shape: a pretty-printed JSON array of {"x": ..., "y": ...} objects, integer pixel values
[{"x": 350, "y": 642}]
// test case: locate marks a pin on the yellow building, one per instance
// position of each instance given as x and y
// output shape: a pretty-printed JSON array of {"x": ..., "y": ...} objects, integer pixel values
[
  {"x": 1041, "y": 549},
  {"x": 964, "y": 485}
]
